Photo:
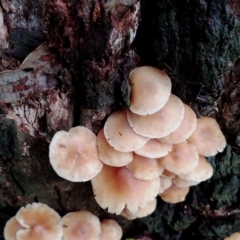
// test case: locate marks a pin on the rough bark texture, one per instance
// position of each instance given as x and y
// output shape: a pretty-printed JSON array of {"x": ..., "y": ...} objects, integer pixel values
[{"x": 196, "y": 42}]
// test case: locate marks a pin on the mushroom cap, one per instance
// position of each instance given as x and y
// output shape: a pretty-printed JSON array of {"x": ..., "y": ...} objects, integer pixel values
[
  {"x": 110, "y": 230},
  {"x": 182, "y": 159},
  {"x": 161, "y": 123},
  {"x": 234, "y": 236},
  {"x": 154, "y": 149},
  {"x": 201, "y": 172},
  {"x": 74, "y": 156},
  {"x": 145, "y": 168},
  {"x": 120, "y": 135},
  {"x": 182, "y": 183},
  {"x": 185, "y": 130},
  {"x": 165, "y": 183},
  {"x": 11, "y": 228},
  {"x": 168, "y": 174},
  {"x": 141, "y": 212},
  {"x": 151, "y": 89},
  {"x": 174, "y": 194},
  {"x": 208, "y": 137},
  {"x": 41, "y": 222},
  {"x": 116, "y": 188},
  {"x": 80, "y": 225},
  {"x": 109, "y": 155}
]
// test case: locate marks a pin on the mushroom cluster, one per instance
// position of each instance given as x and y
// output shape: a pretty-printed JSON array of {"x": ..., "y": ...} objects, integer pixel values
[
  {"x": 39, "y": 221},
  {"x": 157, "y": 147}
]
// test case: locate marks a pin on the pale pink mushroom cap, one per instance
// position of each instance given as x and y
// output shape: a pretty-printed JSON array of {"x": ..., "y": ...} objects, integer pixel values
[
  {"x": 145, "y": 168},
  {"x": 116, "y": 188},
  {"x": 110, "y": 230},
  {"x": 154, "y": 149},
  {"x": 41, "y": 222},
  {"x": 185, "y": 130},
  {"x": 234, "y": 236},
  {"x": 151, "y": 89},
  {"x": 174, "y": 194},
  {"x": 74, "y": 156},
  {"x": 201, "y": 172},
  {"x": 182, "y": 159},
  {"x": 109, "y": 155},
  {"x": 161, "y": 123},
  {"x": 120, "y": 135},
  {"x": 168, "y": 174},
  {"x": 165, "y": 183},
  {"x": 11, "y": 228},
  {"x": 208, "y": 137},
  {"x": 182, "y": 183},
  {"x": 80, "y": 225},
  {"x": 141, "y": 212}
]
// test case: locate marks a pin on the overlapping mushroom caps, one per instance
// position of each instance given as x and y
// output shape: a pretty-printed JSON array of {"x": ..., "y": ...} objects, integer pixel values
[{"x": 34, "y": 221}]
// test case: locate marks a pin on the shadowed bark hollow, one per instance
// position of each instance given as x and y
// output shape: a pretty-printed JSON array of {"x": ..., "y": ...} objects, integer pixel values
[{"x": 95, "y": 44}]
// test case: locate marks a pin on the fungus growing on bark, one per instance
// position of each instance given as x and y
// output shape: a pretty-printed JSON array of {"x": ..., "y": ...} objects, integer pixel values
[
  {"x": 151, "y": 89},
  {"x": 145, "y": 168},
  {"x": 154, "y": 149},
  {"x": 141, "y": 212},
  {"x": 74, "y": 156},
  {"x": 208, "y": 137},
  {"x": 39, "y": 222},
  {"x": 116, "y": 188},
  {"x": 80, "y": 225},
  {"x": 110, "y": 230},
  {"x": 120, "y": 135},
  {"x": 185, "y": 130},
  {"x": 182, "y": 159},
  {"x": 174, "y": 194},
  {"x": 161, "y": 123},
  {"x": 109, "y": 155}
]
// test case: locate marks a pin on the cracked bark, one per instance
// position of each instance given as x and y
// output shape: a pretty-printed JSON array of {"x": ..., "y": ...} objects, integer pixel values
[{"x": 195, "y": 42}]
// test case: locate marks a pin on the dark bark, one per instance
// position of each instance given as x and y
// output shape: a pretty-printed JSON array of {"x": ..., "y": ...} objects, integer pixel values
[{"x": 196, "y": 42}]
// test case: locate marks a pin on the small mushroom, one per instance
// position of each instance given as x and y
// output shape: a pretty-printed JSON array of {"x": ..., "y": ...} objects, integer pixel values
[
  {"x": 40, "y": 222},
  {"x": 165, "y": 183},
  {"x": 185, "y": 130},
  {"x": 80, "y": 225},
  {"x": 161, "y": 123},
  {"x": 154, "y": 149},
  {"x": 208, "y": 137},
  {"x": 109, "y": 155},
  {"x": 74, "y": 156},
  {"x": 11, "y": 228},
  {"x": 116, "y": 188},
  {"x": 174, "y": 194},
  {"x": 145, "y": 168},
  {"x": 110, "y": 230},
  {"x": 151, "y": 89},
  {"x": 141, "y": 212},
  {"x": 119, "y": 134},
  {"x": 182, "y": 159},
  {"x": 182, "y": 183}
]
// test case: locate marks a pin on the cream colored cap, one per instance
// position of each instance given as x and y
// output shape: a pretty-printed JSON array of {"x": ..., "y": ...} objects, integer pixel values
[
  {"x": 120, "y": 135},
  {"x": 151, "y": 89},
  {"x": 110, "y": 230},
  {"x": 116, "y": 188},
  {"x": 161, "y": 123},
  {"x": 141, "y": 212},
  {"x": 208, "y": 137},
  {"x": 154, "y": 149},
  {"x": 165, "y": 183},
  {"x": 40, "y": 222},
  {"x": 74, "y": 156},
  {"x": 182, "y": 159},
  {"x": 80, "y": 225},
  {"x": 185, "y": 130},
  {"x": 11, "y": 228},
  {"x": 145, "y": 168},
  {"x": 174, "y": 194},
  {"x": 234, "y": 236},
  {"x": 109, "y": 155},
  {"x": 182, "y": 183}
]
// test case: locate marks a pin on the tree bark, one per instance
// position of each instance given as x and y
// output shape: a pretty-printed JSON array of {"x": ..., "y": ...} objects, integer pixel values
[{"x": 95, "y": 44}]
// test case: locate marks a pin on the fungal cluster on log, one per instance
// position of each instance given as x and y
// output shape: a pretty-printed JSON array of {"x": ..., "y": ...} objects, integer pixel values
[
  {"x": 39, "y": 221},
  {"x": 157, "y": 147}
]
